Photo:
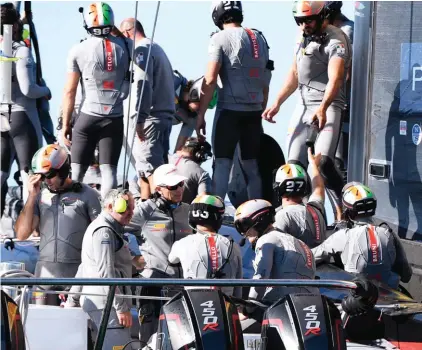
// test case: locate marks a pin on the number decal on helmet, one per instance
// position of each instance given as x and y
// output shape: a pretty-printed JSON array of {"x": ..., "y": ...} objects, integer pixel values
[
  {"x": 200, "y": 214},
  {"x": 294, "y": 186}
]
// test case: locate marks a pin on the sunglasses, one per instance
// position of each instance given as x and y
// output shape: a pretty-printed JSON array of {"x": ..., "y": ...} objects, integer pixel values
[
  {"x": 175, "y": 187},
  {"x": 49, "y": 175},
  {"x": 304, "y": 20}
]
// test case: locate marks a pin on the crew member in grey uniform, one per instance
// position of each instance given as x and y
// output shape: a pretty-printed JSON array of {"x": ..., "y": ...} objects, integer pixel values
[
  {"x": 159, "y": 222},
  {"x": 101, "y": 64},
  {"x": 60, "y": 211},
  {"x": 156, "y": 108},
  {"x": 339, "y": 20},
  {"x": 365, "y": 248},
  {"x": 303, "y": 221},
  {"x": 105, "y": 254},
  {"x": 210, "y": 255},
  {"x": 188, "y": 94},
  {"x": 322, "y": 59},
  {"x": 278, "y": 255},
  {"x": 188, "y": 163},
  {"x": 24, "y": 137},
  {"x": 241, "y": 57}
]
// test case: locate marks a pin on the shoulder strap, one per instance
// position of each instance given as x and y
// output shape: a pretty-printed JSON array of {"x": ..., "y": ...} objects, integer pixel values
[
  {"x": 218, "y": 273},
  {"x": 254, "y": 43},
  {"x": 311, "y": 210},
  {"x": 263, "y": 37}
]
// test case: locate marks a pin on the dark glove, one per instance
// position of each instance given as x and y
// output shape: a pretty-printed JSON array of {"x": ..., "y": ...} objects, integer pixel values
[
  {"x": 361, "y": 299},
  {"x": 8, "y": 243}
]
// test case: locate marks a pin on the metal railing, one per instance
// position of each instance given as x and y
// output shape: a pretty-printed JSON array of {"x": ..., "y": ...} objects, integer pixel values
[{"x": 165, "y": 282}]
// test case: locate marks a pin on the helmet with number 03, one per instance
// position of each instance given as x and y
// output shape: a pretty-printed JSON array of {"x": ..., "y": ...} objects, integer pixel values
[
  {"x": 223, "y": 9},
  {"x": 358, "y": 200},
  {"x": 206, "y": 210},
  {"x": 291, "y": 180},
  {"x": 256, "y": 213},
  {"x": 99, "y": 19}
]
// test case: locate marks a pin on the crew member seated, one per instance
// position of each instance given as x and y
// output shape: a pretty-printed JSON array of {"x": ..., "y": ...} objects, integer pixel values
[
  {"x": 374, "y": 251},
  {"x": 188, "y": 163},
  {"x": 303, "y": 221},
  {"x": 208, "y": 254}
]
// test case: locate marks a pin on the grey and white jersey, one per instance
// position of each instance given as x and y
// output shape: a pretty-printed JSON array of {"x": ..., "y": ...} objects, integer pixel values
[
  {"x": 371, "y": 250},
  {"x": 201, "y": 254},
  {"x": 281, "y": 256}
]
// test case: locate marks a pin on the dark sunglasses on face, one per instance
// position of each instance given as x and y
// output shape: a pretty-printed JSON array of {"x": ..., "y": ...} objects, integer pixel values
[
  {"x": 49, "y": 175},
  {"x": 304, "y": 20},
  {"x": 175, "y": 187}
]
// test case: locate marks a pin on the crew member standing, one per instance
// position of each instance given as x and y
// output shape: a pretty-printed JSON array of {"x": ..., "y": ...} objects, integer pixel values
[
  {"x": 322, "y": 59},
  {"x": 241, "y": 57},
  {"x": 101, "y": 63},
  {"x": 156, "y": 108}
]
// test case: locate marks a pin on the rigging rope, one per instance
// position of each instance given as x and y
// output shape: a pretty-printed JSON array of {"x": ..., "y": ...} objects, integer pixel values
[
  {"x": 126, "y": 171},
  {"x": 125, "y": 176}
]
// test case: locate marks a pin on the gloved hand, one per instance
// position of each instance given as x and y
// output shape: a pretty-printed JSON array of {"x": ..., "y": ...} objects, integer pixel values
[{"x": 361, "y": 299}]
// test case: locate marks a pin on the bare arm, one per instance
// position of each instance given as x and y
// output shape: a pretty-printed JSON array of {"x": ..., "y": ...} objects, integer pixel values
[
  {"x": 69, "y": 96},
  {"x": 336, "y": 73},
  {"x": 27, "y": 221},
  {"x": 289, "y": 86},
  {"x": 318, "y": 187},
  {"x": 208, "y": 86},
  {"x": 29, "y": 218}
]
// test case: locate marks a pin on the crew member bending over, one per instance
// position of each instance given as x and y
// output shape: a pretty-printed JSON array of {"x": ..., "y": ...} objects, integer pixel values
[
  {"x": 375, "y": 251},
  {"x": 278, "y": 255}
]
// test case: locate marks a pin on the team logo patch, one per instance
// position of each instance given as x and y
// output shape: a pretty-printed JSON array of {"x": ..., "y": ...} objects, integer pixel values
[
  {"x": 416, "y": 134},
  {"x": 340, "y": 49}
]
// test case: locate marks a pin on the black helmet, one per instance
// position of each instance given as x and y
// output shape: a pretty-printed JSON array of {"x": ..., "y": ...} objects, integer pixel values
[
  {"x": 201, "y": 150},
  {"x": 333, "y": 6},
  {"x": 333, "y": 9},
  {"x": 226, "y": 8},
  {"x": 207, "y": 210}
]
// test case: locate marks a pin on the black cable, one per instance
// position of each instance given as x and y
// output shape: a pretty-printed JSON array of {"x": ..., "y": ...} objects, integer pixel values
[{"x": 133, "y": 341}]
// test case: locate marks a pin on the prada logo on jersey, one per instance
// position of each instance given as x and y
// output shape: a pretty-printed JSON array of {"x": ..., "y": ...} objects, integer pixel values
[
  {"x": 254, "y": 43},
  {"x": 373, "y": 245},
  {"x": 308, "y": 254},
  {"x": 109, "y": 55}
]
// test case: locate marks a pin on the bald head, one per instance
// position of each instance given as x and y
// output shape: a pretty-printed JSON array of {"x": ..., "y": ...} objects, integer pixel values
[{"x": 128, "y": 25}]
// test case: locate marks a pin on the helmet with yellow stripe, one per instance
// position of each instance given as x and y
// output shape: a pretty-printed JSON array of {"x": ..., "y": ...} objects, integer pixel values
[
  {"x": 291, "y": 180},
  {"x": 358, "y": 200},
  {"x": 99, "y": 19}
]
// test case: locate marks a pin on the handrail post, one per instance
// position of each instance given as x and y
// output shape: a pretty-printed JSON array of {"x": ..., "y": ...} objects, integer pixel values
[{"x": 104, "y": 319}]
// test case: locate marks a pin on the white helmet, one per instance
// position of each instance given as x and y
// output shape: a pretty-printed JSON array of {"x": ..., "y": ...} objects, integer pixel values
[{"x": 257, "y": 213}]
